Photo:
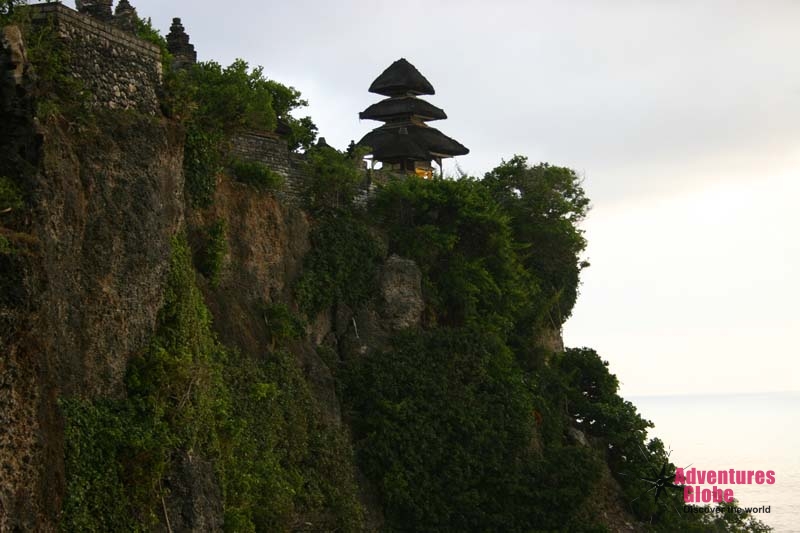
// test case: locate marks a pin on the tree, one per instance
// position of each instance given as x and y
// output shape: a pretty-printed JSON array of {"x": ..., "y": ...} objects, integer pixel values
[
  {"x": 546, "y": 203},
  {"x": 228, "y": 99},
  {"x": 333, "y": 178},
  {"x": 461, "y": 239},
  {"x": 301, "y": 132}
]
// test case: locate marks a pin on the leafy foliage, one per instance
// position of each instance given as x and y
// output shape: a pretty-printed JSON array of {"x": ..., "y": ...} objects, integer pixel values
[
  {"x": 57, "y": 92},
  {"x": 7, "y": 10},
  {"x": 462, "y": 241},
  {"x": 257, "y": 174},
  {"x": 212, "y": 251},
  {"x": 333, "y": 179},
  {"x": 96, "y": 498},
  {"x": 282, "y": 325},
  {"x": 217, "y": 102},
  {"x": 202, "y": 161},
  {"x": 301, "y": 132},
  {"x": 282, "y": 460},
  {"x": 256, "y": 418},
  {"x": 341, "y": 266},
  {"x": 145, "y": 30},
  {"x": 545, "y": 204},
  {"x": 10, "y": 196},
  {"x": 592, "y": 399},
  {"x": 232, "y": 97},
  {"x": 444, "y": 424}
]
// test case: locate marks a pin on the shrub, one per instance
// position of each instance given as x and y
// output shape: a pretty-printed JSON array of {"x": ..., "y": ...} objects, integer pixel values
[
  {"x": 202, "y": 161},
  {"x": 230, "y": 98},
  {"x": 215, "y": 103},
  {"x": 8, "y": 11},
  {"x": 255, "y": 417},
  {"x": 10, "y": 196},
  {"x": 462, "y": 241},
  {"x": 444, "y": 427},
  {"x": 301, "y": 132},
  {"x": 545, "y": 204},
  {"x": 257, "y": 174},
  {"x": 282, "y": 325},
  {"x": 333, "y": 179},
  {"x": 213, "y": 251},
  {"x": 341, "y": 266}
]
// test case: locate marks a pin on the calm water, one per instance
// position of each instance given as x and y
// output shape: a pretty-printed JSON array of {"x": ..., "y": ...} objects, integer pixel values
[{"x": 743, "y": 432}]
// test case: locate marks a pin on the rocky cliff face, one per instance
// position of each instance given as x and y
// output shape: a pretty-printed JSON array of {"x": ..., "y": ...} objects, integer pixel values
[
  {"x": 85, "y": 276},
  {"x": 87, "y": 264}
]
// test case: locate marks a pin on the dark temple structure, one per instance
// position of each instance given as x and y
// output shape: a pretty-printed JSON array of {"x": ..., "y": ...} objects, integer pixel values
[
  {"x": 405, "y": 142},
  {"x": 183, "y": 52}
]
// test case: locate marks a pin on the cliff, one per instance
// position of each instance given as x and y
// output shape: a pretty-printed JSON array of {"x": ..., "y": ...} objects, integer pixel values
[
  {"x": 83, "y": 276},
  {"x": 299, "y": 351}
]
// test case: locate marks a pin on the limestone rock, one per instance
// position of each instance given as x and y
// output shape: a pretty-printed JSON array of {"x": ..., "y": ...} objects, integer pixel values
[
  {"x": 577, "y": 436},
  {"x": 13, "y": 58},
  {"x": 401, "y": 291}
]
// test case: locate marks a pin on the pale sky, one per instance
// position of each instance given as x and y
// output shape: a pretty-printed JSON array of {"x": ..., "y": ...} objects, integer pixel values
[{"x": 683, "y": 117}]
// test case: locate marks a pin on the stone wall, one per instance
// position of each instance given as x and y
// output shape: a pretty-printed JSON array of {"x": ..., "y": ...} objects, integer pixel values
[
  {"x": 119, "y": 70},
  {"x": 265, "y": 148},
  {"x": 273, "y": 151}
]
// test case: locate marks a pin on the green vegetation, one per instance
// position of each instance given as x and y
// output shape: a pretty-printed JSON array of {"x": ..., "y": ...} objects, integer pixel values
[
  {"x": 333, "y": 179},
  {"x": 10, "y": 196},
  {"x": 231, "y": 98},
  {"x": 5, "y": 246},
  {"x": 455, "y": 424},
  {"x": 202, "y": 161},
  {"x": 257, "y": 174},
  {"x": 8, "y": 12},
  {"x": 213, "y": 251},
  {"x": 445, "y": 419},
  {"x": 467, "y": 424},
  {"x": 545, "y": 204},
  {"x": 282, "y": 325},
  {"x": 462, "y": 242},
  {"x": 215, "y": 103},
  {"x": 283, "y": 461},
  {"x": 146, "y": 31},
  {"x": 301, "y": 131},
  {"x": 445, "y": 424},
  {"x": 253, "y": 417},
  {"x": 341, "y": 266},
  {"x": 56, "y": 92}
]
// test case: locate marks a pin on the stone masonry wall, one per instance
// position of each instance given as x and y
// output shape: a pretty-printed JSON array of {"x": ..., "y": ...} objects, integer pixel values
[
  {"x": 273, "y": 152},
  {"x": 119, "y": 70}
]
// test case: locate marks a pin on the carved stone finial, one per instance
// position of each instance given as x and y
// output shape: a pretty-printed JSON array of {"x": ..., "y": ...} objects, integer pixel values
[
  {"x": 99, "y": 9},
  {"x": 178, "y": 45},
  {"x": 125, "y": 16}
]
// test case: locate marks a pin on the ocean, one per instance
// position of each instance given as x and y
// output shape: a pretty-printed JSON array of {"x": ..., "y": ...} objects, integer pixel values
[{"x": 740, "y": 432}]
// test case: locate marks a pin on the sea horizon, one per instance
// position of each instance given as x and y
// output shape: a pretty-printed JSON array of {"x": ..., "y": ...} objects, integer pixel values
[{"x": 740, "y": 431}]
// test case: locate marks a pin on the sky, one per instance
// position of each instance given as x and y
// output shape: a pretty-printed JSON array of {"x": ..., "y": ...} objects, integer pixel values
[{"x": 682, "y": 117}]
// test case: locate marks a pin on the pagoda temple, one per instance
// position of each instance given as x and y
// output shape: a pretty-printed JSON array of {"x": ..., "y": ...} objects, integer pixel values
[{"x": 405, "y": 142}]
